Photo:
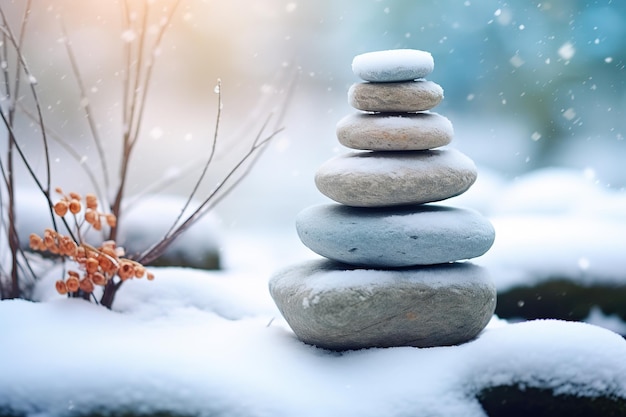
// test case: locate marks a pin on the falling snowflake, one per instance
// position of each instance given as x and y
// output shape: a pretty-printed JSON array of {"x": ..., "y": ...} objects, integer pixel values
[
  {"x": 569, "y": 114},
  {"x": 567, "y": 51}
]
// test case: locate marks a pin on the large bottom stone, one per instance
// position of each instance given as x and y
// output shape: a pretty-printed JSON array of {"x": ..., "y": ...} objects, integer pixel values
[{"x": 338, "y": 307}]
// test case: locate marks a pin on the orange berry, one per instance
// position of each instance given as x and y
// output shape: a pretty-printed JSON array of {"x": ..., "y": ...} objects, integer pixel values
[
  {"x": 111, "y": 220},
  {"x": 91, "y": 216},
  {"x": 109, "y": 251},
  {"x": 150, "y": 276},
  {"x": 75, "y": 196},
  {"x": 97, "y": 225},
  {"x": 126, "y": 270},
  {"x": 75, "y": 206},
  {"x": 73, "y": 284},
  {"x": 73, "y": 274},
  {"x": 91, "y": 265},
  {"x": 60, "y": 208},
  {"x": 92, "y": 201},
  {"x": 86, "y": 285},
  {"x": 67, "y": 246},
  {"x": 49, "y": 241},
  {"x": 81, "y": 254},
  {"x": 140, "y": 271},
  {"x": 107, "y": 265},
  {"x": 61, "y": 287},
  {"x": 59, "y": 190},
  {"x": 98, "y": 279},
  {"x": 35, "y": 241}
]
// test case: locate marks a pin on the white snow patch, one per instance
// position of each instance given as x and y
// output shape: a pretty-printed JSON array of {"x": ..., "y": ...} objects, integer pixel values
[
  {"x": 195, "y": 362},
  {"x": 397, "y": 59}
]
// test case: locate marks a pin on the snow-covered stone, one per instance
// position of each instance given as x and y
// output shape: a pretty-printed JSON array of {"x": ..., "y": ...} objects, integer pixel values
[
  {"x": 394, "y": 132},
  {"x": 411, "y": 96},
  {"x": 375, "y": 179},
  {"x": 393, "y": 65},
  {"x": 338, "y": 307},
  {"x": 394, "y": 237}
]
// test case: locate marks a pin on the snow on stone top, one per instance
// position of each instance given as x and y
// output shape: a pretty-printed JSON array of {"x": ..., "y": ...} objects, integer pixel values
[{"x": 393, "y": 65}]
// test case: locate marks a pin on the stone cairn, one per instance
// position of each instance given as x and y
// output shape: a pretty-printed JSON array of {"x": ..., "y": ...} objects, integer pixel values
[{"x": 392, "y": 274}]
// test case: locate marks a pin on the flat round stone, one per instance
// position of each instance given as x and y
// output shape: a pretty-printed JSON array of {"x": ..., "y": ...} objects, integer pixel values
[
  {"x": 393, "y": 65},
  {"x": 378, "y": 179},
  {"x": 393, "y": 237},
  {"x": 336, "y": 307},
  {"x": 394, "y": 132},
  {"x": 411, "y": 96}
]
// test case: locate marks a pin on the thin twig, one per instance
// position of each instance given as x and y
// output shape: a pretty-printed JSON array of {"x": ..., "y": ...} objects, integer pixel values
[
  {"x": 208, "y": 162},
  {"x": 52, "y": 134},
  {"x": 148, "y": 75},
  {"x": 34, "y": 176},
  {"x": 137, "y": 109},
  {"x": 84, "y": 101},
  {"x": 153, "y": 252}
]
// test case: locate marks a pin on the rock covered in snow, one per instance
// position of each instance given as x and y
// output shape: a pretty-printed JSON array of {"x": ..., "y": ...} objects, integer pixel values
[
  {"x": 394, "y": 132},
  {"x": 393, "y": 65},
  {"x": 337, "y": 307},
  {"x": 394, "y": 237},
  {"x": 376, "y": 179},
  {"x": 411, "y": 96}
]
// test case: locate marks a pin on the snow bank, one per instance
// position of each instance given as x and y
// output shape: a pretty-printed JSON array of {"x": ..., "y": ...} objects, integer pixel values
[
  {"x": 198, "y": 343},
  {"x": 551, "y": 223}
]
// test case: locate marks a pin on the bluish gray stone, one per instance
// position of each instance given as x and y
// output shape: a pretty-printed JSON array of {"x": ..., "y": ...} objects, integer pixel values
[
  {"x": 411, "y": 96},
  {"x": 394, "y": 131},
  {"x": 338, "y": 307},
  {"x": 393, "y": 65},
  {"x": 377, "y": 179},
  {"x": 394, "y": 237}
]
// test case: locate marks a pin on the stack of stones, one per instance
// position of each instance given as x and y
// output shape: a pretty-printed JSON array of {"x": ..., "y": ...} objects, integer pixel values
[{"x": 395, "y": 271}]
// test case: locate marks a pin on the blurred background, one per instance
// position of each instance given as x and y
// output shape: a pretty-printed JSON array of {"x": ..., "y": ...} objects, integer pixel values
[{"x": 527, "y": 85}]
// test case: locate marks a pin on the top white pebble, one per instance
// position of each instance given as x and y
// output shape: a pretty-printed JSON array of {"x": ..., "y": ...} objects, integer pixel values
[{"x": 393, "y": 65}]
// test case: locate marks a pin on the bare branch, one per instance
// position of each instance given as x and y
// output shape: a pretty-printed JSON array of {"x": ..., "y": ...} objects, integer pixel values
[
  {"x": 149, "y": 69},
  {"x": 84, "y": 101},
  {"x": 69, "y": 149},
  {"x": 208, "y": 162},
  {"x": 154, "y": 252}
]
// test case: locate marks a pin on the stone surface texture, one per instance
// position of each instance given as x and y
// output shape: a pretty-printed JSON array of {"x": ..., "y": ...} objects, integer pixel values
[
  {"x": 376, "y": 179},
  {"x": 411, "y": 96},
  {"x": 394, "y": 237},
  {"x": 338, "y": 307},
  {"x": 393, "y": 65},
  {"x": 394, "y": 132}
]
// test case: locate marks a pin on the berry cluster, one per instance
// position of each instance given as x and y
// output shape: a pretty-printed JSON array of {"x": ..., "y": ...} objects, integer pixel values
[
  {"x": 73, "y": 203},
  {"x": 99, "y": 265}
]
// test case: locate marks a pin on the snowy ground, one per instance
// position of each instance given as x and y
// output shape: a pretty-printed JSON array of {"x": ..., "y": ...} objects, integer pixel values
[{"x": 202, "y": 343}]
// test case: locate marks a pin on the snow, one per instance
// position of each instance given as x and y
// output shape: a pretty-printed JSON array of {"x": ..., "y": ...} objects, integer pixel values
[
  {"x": 171, "y": 352},
  {"x": 551, "y": 223},
  {"x": 369, "y": 66},
  {"x": 206, "y": 343}
]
